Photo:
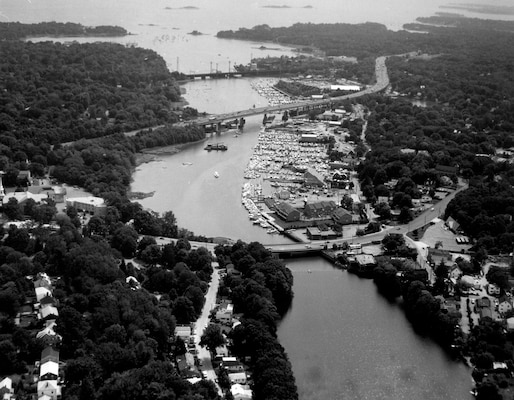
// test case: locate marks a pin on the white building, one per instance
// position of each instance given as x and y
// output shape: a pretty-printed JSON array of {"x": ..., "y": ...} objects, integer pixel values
[
  {"x": 91, "y": 204},
  {"x": 241, "y": 392}
]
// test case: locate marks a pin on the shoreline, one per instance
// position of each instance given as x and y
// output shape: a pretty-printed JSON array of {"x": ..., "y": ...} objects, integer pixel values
[{"x": 147, "y": 156}]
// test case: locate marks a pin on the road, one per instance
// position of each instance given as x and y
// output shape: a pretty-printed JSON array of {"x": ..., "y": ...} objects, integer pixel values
[{"x": 201, "y": 324}]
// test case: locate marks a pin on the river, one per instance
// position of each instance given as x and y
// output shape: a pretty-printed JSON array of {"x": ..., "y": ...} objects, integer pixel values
[{"x": 343, "y": 339}]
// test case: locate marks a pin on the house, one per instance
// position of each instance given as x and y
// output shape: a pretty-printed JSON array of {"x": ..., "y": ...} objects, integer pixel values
[
  {"x": 241, "y": 392},
  {"x": 225, "y": 314},
  {"x": 342, "y": 216},
  {"x": 455, "y": 272},
  {"x": 48, "y": 312},
  {"x": 452, "y": 225},
  {"x": 49, "y": 354},
  {"x": 383, "y": 199},
  {"x": 222, "y": 351},
  {"x": 48, "y": 301},
  {"x": 42, "y": 292},
  {"x": 183, "y": 332},
  {"x": 362, "y": 263},
  {"x": 493, "y": 290},
  {"x": 49, "y": 371},
  {"x": 231, "y": 270},
  {"x": 24, "y": 178},
  {"x": 50, "y": 388},
  {"x": 505, "y": 305},
  {"x": 237, "y": 377},
  {"x": 232, "y": 364},
  {"x": 287, "y": 212},
  {"x": 483, "y": 307},
  {"x": 42, "y": 281},
  {"x": 6, "y": 389}
]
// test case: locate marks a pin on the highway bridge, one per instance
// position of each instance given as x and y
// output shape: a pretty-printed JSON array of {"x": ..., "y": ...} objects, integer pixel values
[{"x": 382, "y": 81}]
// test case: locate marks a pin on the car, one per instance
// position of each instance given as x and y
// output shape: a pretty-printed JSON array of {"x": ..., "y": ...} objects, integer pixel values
[
  {"x": 308, "y": 246},
  {"x": 432, "y": 209}
]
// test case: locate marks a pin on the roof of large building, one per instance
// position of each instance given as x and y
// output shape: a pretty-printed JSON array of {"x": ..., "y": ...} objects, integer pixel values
[
  {"x": 96, "y": 201},
  {"x": 286, "y": 207}
]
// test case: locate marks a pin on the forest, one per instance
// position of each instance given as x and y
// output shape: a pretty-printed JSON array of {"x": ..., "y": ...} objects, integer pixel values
[{"x": 17, "y": 30}]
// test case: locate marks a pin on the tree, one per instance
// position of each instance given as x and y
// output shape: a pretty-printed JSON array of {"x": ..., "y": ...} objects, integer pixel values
[
  {"x": 212, "y": 337},
  {"x": 347, "y": 202}
]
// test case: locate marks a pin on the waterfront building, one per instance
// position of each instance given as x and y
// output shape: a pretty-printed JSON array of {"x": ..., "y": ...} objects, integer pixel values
[
  {"x": 342, "y": 216},
  {"x": 91, "y": 204},
  {"x": 314, "y": 233},
  {"x": 319, "y": 209},
  {"x": 287, "y": 212}
]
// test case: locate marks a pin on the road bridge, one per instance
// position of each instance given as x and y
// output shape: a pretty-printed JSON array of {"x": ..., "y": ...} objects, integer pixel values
[{"x": 303, "y": 107}]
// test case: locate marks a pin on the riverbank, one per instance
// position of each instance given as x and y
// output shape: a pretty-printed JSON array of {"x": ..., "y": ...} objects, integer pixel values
[{"x": 150, "y": 155}]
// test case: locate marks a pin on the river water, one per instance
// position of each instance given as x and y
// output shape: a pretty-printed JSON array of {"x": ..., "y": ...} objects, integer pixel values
[{"x": 343, "y": 339}]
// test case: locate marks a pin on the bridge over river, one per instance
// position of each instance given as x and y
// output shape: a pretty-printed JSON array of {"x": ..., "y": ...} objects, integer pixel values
[{"x": 382, "y": 81}]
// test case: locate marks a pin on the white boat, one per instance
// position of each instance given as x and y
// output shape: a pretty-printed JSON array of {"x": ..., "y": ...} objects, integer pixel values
[{"x": 216, "y": 175}]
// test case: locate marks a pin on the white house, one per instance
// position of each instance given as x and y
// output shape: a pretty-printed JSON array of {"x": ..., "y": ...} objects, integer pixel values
[
  {"x": 241, "y": 392},
  {"x": 49, "y": 371},
  {"x": 48, "y": 388},
  {"x": 42, "y": 292},
  {"x": 237, "y": 377},
  {"x": 224, "y": 315},
  {"x": 6, "y": 389}
]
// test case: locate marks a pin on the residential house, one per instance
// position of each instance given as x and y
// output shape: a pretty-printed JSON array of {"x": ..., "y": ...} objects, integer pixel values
[
  {"x": 232, "y": 364},
  {"x": 362, "y": 263},
  {"x": 42, "y": 292},
  {"x": 237, "y": 377},
  {"x": 6, "y": 389},
  {"x": 183, "y": 332},
  {"x": 49, "y": 354},
  {"x": 241, "y": 392},
  {"x": 493, "y": 290},
  {"x": 383, "y": 199},
  {"x": 505, "y": 305},
  {"x": 225, "y": 313},
  {"x": 50, "y": 388},
  {"x": 483, "y": 307},
  {"x": 43, "y": 280},
  {"x": 49, "y": 371},
  {"x": 452, "y": 225},
  {"x": 231, "y": 270},
  {"x": 48, "y": 313},
  {"x": 222, "y": 351}
]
